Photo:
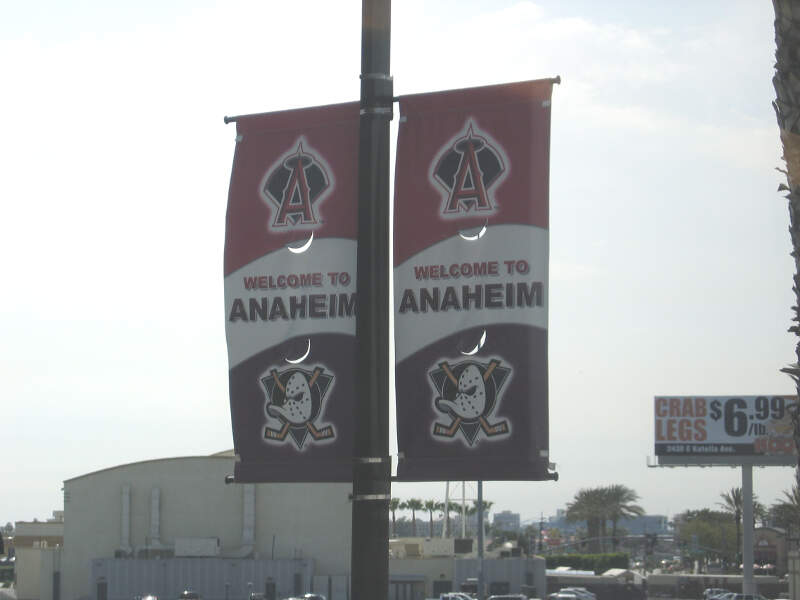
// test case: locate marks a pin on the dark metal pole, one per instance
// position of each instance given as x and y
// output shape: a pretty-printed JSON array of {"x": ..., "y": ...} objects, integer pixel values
[
  {"x": 369, "y": 557},
  {"x": 481, "y": 595}
]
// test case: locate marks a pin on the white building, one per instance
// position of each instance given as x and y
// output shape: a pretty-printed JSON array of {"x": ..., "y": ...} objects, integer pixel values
[
  {"x": 162, "y": 526},
  {"x": 125, "y": 529}
]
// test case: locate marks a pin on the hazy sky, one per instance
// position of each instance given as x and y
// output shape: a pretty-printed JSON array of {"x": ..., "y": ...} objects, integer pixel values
[{"x": 670, "y": 271}]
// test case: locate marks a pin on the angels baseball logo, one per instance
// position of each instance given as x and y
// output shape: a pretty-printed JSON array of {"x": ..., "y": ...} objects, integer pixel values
[
  {"x": 294, "y": 187},
  {"x": 467, "y": 169},
  {"x": 468, "y": 394},
  {"x": 294, "y": 402}
]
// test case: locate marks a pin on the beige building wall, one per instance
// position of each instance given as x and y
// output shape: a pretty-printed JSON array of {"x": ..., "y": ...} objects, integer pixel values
[
  {"x": 30, "y": 534},
  {"x": 50, "y": 564},
  {"x": 291, "y": 520},
  {"x": 431, "y": 569},
  {"x": 27, "y": 570}
]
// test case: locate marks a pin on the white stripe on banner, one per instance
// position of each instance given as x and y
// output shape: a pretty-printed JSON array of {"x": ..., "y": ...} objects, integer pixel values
[
  {"x": 283, "y": 295},
  {"x": 457, "y": 284}
]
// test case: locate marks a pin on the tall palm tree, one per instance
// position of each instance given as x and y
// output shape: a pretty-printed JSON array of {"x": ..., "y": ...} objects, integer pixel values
[
  {"x": 786, "y": 513},
  {"x": 413, "y": 504},
  {"x": 487, "y": 506},
  {"x": 469, "y": 511},
  {"x": 621, "y": 505},
  {"x": 732, "y": 503},
  {"x": 430, "y": 506},
  {"x": 787, "y": 110},
  {"x": 589, "y": 505},
  {"x": 452, "y": 508},
  {"x": 394, "y": 505}
]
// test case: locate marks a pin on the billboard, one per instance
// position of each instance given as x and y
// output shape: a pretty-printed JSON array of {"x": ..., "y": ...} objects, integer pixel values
[
  {"x": 290, "y": 290},
  {"x": 724, "y": 429},
  {"x": 471, "y": 283}
]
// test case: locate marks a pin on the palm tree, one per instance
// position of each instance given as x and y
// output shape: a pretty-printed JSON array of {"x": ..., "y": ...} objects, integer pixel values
[
  {"x": 732, "y": 503},
  {"x": 394, "y": 504},
  {"x": 430, "y": 506},
  {"x": 468, "y": 512},
  {"x": 787, "y": 110},
  {"x": 589, "y": 505},
  {"x": 413, "y": 504},
  {"x": 621, "y": 505},
  {"x": 786, "y": 513},
  {"x": 451, "y": 509},
  {"x": 487, "y": 506}
]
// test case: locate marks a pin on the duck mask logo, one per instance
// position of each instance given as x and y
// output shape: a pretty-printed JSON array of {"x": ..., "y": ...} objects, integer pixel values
[
  {"x": 294, "y": 187},
  {"x": 468, "y": 393},
  {"x": 467, "y": 169},
  {"x": 294, "y": 400}
]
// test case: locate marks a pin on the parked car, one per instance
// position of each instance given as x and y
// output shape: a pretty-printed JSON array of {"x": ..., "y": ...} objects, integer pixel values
[
  {"x": 189, "y": 595},
  {"x": 710, "y": 593},
  {"x": 508, "y": 597},
  {"x": 581, "y": 592},
  {"x": 455, "y": 596}
]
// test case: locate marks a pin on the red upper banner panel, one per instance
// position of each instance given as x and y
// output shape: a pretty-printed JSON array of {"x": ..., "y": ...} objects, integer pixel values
[
  {"x": 454, "y": 168},
  {"x": 287, "y": 180}
]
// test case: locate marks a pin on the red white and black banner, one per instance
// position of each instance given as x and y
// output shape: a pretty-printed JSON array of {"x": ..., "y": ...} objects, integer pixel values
[
  {"x": 290, "y": 293},
  {"x": 470, "y": 283}
]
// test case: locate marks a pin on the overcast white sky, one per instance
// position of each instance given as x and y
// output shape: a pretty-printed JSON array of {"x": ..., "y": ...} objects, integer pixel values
[{"x": 670, "y": 271}]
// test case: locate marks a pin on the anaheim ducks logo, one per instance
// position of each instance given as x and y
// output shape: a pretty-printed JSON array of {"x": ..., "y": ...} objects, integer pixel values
[
  {"x": 294, "y": 187},
  {"x": 469, "y": 395},
  {"x": 294, "y": 400},
  {"x": 467, "y": 170}
]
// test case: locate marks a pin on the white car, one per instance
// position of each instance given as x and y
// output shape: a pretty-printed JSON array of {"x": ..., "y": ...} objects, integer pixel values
[{"x": 581, "y": 592}]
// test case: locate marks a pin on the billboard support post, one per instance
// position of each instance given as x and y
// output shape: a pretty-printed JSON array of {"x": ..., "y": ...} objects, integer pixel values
[
  {"x": 748, "y": 586},
  {"x": 369, "y": 556}
]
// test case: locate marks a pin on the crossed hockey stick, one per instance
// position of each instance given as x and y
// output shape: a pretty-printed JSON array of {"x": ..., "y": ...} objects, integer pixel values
[
  {"x": 280, "y": 434},
  {"x": 496, "y": 429}
]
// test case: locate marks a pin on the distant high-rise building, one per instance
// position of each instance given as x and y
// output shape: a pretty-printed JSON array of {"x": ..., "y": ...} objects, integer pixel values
[{"x": 506, "y": 521}]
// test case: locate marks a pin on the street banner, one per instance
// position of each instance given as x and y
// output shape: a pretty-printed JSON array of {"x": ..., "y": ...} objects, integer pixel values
[
  {"x": 290, "y": 293},
  {"x": 470, "y": 283},
  {"x": 706, "y": 428}
]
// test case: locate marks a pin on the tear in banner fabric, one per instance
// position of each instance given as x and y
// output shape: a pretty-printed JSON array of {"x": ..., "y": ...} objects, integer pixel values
[
  {"x": 290, "y": 293},
  {"x": 470, "y": 283}
]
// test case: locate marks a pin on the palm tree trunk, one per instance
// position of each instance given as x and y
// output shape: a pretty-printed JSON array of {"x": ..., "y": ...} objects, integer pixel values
[
  {"x": 414, "y": 523},
  {"x": 787, "y": 110},
  {"x": 614, "y": 534},
  {"x": 394, "y": 526},
  {"x": 602, "y": 534}
]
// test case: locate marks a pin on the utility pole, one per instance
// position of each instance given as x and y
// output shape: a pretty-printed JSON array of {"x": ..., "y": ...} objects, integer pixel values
[
  {"x": 541, "y": 532},
  {"x": 369, "y": 557}
]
